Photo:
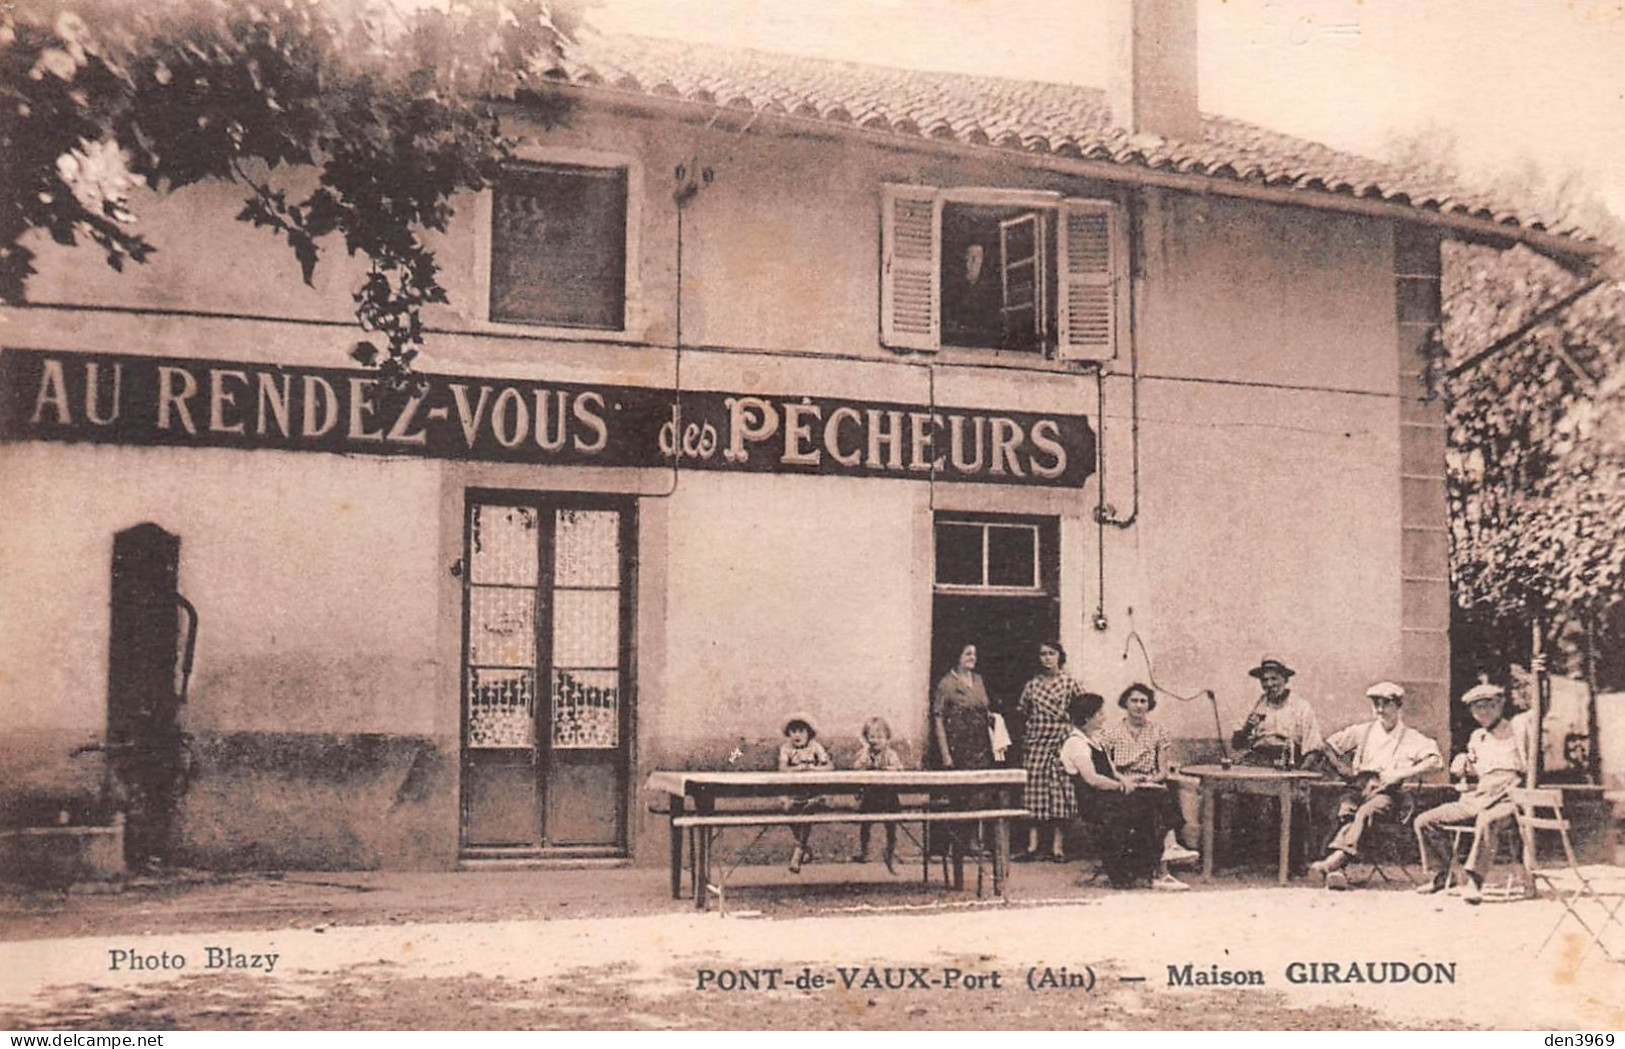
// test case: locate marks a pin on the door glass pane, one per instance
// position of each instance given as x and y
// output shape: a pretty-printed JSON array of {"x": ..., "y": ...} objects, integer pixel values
[
  {"x": 502, "y": 545},
  {"x": 959, "y": 555},
  {"x": 588, "y": 548},
  {"x": 1012, "y": 556},
  {"x": 501, "y": 708},
  {"x": 501, "y": 627},
  {"x": 587, "y": 628},
  {"x": 586, "y": 709}
]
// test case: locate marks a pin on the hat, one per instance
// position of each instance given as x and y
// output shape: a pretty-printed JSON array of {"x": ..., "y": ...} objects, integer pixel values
[
  {"x": 1480, "y": 693},
  {"x": 1271, "y": 664},
  {"x": 1386, "y": 690},
  {"x": 803, "y": 717}
]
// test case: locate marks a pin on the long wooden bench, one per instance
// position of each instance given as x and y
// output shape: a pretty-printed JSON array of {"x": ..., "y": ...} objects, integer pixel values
[
  {"x": 711, "y": 824},
  {"x": 949, "y": 796}
]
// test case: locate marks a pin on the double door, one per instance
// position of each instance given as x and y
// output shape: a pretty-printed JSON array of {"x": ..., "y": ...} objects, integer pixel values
[{"x": 547, "y": 694}]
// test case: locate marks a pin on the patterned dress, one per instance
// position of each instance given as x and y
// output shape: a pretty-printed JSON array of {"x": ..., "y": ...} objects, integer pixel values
[
  {"x": 961, "y": 703},
  {"x": 1048, "y": 795}
]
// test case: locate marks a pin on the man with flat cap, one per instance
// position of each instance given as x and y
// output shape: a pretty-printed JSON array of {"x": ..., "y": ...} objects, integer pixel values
[
  {"x": 1282, "y": 729},
  {"x": 1379, "y": 757},
  {"x": 1500, "y": 753}
]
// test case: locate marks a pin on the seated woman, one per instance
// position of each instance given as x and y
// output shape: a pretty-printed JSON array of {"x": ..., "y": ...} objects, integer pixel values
[{"x": 1126, "y": 809}]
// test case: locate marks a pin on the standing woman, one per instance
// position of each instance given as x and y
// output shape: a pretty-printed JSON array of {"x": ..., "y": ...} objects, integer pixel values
[
  {"x": 1048, "y": 795},
  {"x": 959, "y": 716}
]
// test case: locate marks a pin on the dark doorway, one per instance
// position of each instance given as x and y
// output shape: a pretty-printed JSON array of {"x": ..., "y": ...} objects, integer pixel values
[{"x": 994, "y": 585}]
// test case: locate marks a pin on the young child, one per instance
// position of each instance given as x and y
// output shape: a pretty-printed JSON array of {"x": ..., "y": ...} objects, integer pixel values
[
  {"x": 801, "y": 752},
  {"x": 877, "y": 755}
]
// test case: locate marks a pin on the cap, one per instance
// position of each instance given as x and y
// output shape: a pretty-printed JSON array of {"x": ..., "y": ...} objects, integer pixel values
[
  {"x": 1479, "y": 693},
  {"x": 1386, "y": 690}
]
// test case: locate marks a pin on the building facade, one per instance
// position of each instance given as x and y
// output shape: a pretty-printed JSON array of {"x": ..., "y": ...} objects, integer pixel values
[{"x": 738, "y": 409}]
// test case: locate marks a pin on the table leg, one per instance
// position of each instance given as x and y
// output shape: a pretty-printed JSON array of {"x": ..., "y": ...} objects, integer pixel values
[
  {"x": 1208, "y": 816},
  {"x": 1001, "y": 855},
  {"x": 676, "y": 809},
  {"x": 1286, "y": 835},
  {"x": 702, "y": 856}
]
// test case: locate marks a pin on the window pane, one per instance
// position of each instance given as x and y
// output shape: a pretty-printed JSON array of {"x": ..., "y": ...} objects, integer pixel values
[
  {"x": 586, "y": 709},
  {"x": 959, "y": 555},
  {"x": 587, "y": 548},
  {"x": 1011, "y": 556},
  {"x": 558, "y": 247},
  {"x": 586, "y": 628},
  {"x": 501, "y": 708},
  {"x": 501, "y": 627},
  {"x": 502, "y": 545}
]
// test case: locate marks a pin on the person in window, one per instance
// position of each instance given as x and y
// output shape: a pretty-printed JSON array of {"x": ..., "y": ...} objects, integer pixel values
[
  {"x": 1048, "y": 794},
  {"x": 1383, "y": 756},
  {"x": 1282, "y": 729},
  {"x": 972, "y": 296},
  {"x": 1139, "y": 747},
  {"x": 1500, "y": 753},
  {"x": 1123, "y": 806}
]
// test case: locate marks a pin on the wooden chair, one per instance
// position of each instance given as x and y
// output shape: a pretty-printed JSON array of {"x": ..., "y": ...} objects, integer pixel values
[{"x": 1599, "y": 891}]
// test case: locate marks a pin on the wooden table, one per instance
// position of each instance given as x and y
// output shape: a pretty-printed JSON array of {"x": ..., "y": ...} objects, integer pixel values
[
  {"x": 697, "y": 793},
  {"x": 1286, "y": 786}
]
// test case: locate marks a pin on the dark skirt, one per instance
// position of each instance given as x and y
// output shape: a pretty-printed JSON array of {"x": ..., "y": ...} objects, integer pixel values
[{"x": 1128, "y": 831}]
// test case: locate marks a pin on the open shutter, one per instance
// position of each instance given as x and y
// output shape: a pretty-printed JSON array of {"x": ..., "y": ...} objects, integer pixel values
[
  {"x": 911, "y": 268},
  {"x": 1021, "y": 261},
  {"x": 1092, "y": 271}
]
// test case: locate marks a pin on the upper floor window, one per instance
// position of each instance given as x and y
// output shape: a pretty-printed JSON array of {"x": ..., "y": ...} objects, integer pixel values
[
  {"x": 558, "y": 246},
  {"x": 1013, "y": 271}
]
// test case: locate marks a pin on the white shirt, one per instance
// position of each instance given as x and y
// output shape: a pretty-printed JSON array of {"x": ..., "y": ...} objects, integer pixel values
[{"x": 1378, "y": 750}]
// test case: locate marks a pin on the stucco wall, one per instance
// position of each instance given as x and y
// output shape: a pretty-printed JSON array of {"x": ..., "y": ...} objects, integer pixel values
[{"x": 326, "y": 687}]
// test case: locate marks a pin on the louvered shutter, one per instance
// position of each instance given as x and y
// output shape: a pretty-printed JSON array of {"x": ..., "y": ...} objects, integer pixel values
[
  {"x": 1092, "y": 272},
  {"x": 911, "y": 268}
]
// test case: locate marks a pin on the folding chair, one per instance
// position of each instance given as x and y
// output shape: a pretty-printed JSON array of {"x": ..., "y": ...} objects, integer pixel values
[
  {"x": 1390, "y": 841},
  {"x": 1571, "y": 885}
]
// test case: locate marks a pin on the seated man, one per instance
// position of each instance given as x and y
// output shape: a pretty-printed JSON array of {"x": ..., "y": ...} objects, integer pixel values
[
  {"x": 1384, "y": 753},
  {"x": 1501, "y": 753},
  {"x": 1282, "y": 729}
]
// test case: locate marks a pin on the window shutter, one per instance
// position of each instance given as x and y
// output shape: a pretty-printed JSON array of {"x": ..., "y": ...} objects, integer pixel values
[
  {"x": 911, "y": 268},
  {"x": 1092, "y": 272}
]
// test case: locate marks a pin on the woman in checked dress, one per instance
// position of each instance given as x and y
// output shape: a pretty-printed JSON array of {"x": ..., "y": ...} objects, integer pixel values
[{"x": 1048, "y": 795}]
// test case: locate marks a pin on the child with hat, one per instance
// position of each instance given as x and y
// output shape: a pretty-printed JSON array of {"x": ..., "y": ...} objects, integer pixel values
[{"x": 801, "y": 752}]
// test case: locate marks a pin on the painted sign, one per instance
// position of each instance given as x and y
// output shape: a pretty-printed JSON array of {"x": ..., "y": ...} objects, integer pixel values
[{"x": 139, "y": 400}]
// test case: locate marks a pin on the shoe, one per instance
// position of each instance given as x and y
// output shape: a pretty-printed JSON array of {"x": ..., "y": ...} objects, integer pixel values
[
  {"x": 890, "y": 859},
  {"x": 1024, "y": 857},
  {"x": 860, "y": 857},
  {"x": 1428, "y": 888},
  {"x": 1337, "y": 881},
  {"x": 1179, "y": 855},
  {"x": 1056, "y": 857},
  {"x": 1169, "y": 883},
  {"x": 797, "y": 855},
  {"x": 1473, "y": 893}
]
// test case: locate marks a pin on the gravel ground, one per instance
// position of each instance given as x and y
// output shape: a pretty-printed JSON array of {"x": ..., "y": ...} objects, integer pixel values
[{"x": 597, "y": 949}]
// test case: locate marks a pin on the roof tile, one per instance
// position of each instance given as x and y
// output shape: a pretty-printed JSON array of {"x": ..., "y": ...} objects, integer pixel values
[{"x": 1025, "y": 116}]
